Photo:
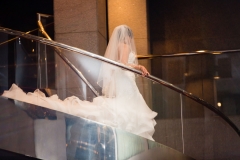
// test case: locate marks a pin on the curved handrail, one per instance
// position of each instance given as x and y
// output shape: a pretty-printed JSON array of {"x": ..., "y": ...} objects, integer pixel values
[
  {"x": 58, "y": 51},
  {"x": 103, "y": 59}
]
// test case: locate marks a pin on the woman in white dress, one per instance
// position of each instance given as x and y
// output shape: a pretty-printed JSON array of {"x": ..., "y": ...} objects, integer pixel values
[
  {"x": 130, "y": 109},
  {"x": 121, "y": 106}
]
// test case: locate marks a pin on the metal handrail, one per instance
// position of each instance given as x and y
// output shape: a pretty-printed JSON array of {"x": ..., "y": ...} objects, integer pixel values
[
  {"x": 150, "y": 56},
  {"x": 28, "y": 32},
  {"x": 103, "y": 59},
  {"x": 66, "y": 60}
]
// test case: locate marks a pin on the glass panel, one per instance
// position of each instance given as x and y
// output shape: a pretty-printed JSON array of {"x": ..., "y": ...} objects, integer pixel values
[
  {"x": 166, "y": 103},
  {"x": 212, "y": 77},
  {"x": 26, "y": 129},
  {"x": 34, "y": 70},
  {"x": 206, "y": 135},
  {"x": 64, "y": 85},
  {"x": 227, "y": 86},
  {"x": 86, "y": 66},
  {"x": 4, "y": 62}
]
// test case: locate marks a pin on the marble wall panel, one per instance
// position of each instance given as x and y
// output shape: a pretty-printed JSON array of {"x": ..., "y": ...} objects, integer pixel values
[
  {"x": 75, "y": 16},
  {"x": 132, "y": 13}
]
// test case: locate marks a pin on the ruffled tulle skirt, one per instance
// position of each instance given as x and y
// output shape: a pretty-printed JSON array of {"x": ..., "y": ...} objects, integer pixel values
[{"x": 127, "y": 111}]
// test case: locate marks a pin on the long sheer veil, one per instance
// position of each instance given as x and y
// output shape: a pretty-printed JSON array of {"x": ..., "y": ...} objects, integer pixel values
[{"x": 121, "y": 35}]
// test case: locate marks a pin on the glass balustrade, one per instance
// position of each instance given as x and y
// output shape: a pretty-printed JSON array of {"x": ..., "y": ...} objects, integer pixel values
[
  {"x": 69, "y": 103},
  {"x": 213, "y": 77}
]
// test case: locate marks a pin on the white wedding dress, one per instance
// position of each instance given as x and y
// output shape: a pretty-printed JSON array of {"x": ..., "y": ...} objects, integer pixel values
[{"x": 127, "y": 110}]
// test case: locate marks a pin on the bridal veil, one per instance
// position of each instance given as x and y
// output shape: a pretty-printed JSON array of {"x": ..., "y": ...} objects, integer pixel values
[{"x": 122, "y": 35}]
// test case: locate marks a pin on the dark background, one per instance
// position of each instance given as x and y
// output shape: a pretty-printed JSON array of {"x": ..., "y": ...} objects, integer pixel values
[
  {"x": 22, "y": 14},
  {"x": 174, "y": 25},
  {"x": 177, "y": 26}
]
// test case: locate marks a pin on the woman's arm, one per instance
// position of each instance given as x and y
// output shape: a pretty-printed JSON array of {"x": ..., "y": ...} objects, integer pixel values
[{"x": 124, "y": 54}]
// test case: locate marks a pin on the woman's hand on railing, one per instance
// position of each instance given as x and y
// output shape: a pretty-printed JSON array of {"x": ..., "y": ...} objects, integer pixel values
[{"x": 143, "y": 70}]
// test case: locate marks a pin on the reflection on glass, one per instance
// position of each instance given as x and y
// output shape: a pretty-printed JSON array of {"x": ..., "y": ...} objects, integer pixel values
[
  {"x": 48, "y": 134},
  {"x": 57, "y": 99}
]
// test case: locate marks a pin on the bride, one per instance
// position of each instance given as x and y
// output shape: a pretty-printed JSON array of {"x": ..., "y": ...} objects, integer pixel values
[
  {"x": 121, "y": 106},
  {"x": 131, "y": 110}
]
